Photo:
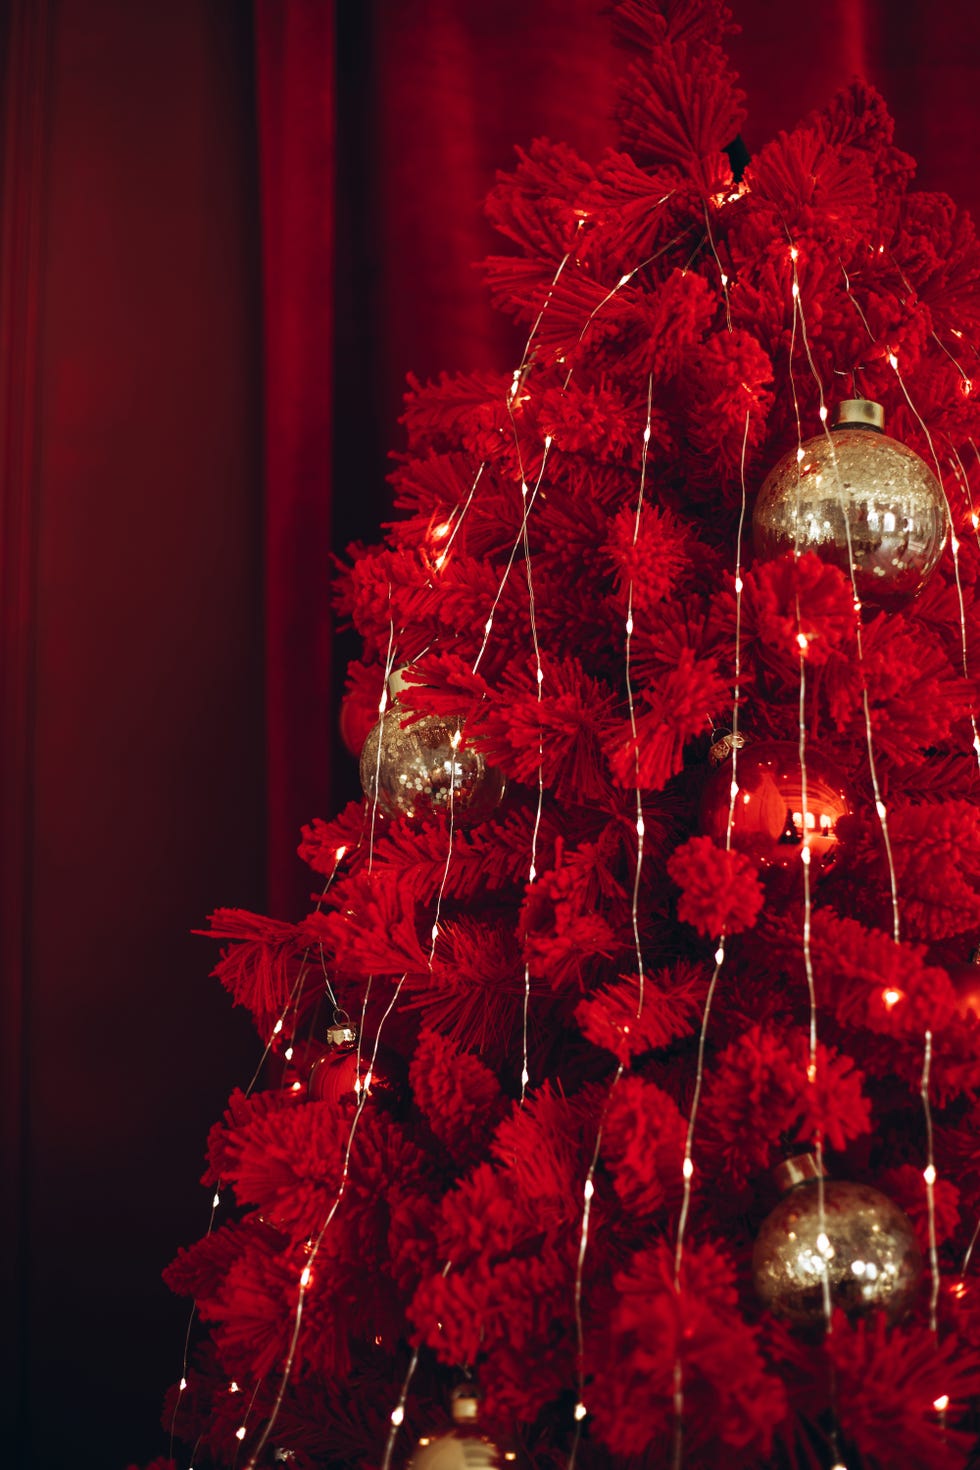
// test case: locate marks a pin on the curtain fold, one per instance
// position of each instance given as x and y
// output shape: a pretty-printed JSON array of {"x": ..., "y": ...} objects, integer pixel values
[{"x": 295, "y": 86}]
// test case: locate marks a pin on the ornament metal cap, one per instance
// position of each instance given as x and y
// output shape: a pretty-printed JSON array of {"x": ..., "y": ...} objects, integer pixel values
[
  {"x": 465, "y": 1403},
  {"x": 722, "y": 745},
  {"x": 397, "y": 681},
  {"x": 800, "y": 1169},
  {"x": 342, "y": 1034},
  {"x": 859, "y": 413}
]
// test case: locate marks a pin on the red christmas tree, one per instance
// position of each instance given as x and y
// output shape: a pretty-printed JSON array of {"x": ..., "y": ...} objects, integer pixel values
[{"x": 583, "y": 994}]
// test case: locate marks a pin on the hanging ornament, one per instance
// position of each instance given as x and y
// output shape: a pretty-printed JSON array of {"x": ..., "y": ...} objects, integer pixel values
[
  {"x": 768, "y": 816},
  {"x": 464, "y": 1447},
  {"x": 862, "y": 1242},
  {"x": 339, "y": 1076},
  {"x": 965, "y": 978},
  {"x": 418, "y": 769},
  {"x": 857, "y": 498}
]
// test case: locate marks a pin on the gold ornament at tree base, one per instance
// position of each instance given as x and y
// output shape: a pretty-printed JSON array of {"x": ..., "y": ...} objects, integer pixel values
[
  {"x": 417, "y": 770},
  {"x": 859, "y": 500},
  {"x": 855, "y": 1238},
  {"x": 463, "y": 1447}
]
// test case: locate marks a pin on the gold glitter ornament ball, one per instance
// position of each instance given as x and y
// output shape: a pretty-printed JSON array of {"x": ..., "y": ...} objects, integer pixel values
[
  {"x": 864, "y": 1244},
  {"x": 464, "y": 1447},
  {"x": 855, "y": 496},
  {"x": 422, "y": 768}
]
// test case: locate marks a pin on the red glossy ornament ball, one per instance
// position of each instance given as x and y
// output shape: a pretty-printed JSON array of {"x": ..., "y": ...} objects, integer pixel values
[
  {"x": 768, "y": 814},
  {"x": 339, "y": 1076}
]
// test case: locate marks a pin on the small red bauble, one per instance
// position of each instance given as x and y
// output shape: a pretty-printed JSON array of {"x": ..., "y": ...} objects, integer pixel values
[
  {"x": 339, "y": 1076},
  {"x": 768, "y": 816}
]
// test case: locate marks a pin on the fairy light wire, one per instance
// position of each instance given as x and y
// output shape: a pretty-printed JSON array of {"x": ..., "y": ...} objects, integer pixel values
[
  {"x": 687, "y": 1168},
  {"x": 588, "y": 1193}
]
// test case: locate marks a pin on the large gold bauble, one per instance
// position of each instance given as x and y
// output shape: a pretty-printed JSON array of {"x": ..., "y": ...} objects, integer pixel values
[
  {"x": 857, "y": 498},
  {"x": 863, "y": 1243}
]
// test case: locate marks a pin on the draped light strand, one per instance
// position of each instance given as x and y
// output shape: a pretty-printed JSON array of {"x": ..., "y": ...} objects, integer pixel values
[{"x": 687, "y": 1167}]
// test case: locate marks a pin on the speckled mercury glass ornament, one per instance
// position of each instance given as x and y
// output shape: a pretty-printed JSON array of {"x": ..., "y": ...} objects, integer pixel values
[
  {"x": 856, "y": 495},
  {"x": 426, "y": 768},
  {"x": 865, "y": 1244},
  {"x": 464, "y": 1447}
]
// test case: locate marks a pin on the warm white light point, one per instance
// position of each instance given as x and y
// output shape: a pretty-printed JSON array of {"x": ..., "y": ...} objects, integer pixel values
[
  {"x": 823, "y": 413},
  {"x": 240, "y": 1432},
  {"x": 183, "y": 1384},
  {"x": 277, "y": 1027},
  {"x": 640, "y": 828},
  {"x": 733, "y": 790},
  {"x": 893, "y": 361},
  {"x": 532, "y": 874},
  {"x": 548, "y": 441},
  {"x": 487, "y": 626},
  {"x": 397, "y": 1415},
  {"x": 929, "y": 1174},
  {"x": 724, "y": 279},
  {"x": 434, "y": 933},
  {"x": 975, "y": 518},
  {"x": 425, "y": 1439},
  {"x": 383, "y": 702},
  {"x": 794, "y": 254},
  {"x": 646, "y": 434},
  {"x": 625, "y": 280},
  {"x": 455, "y": 739},
  {"x": 881, "y": 809},
  {"x": 719, "y": 955},
  {"x": 288, "y": 1053},
  {"x": 823, "y": 1244},
  {"x": 738, "y": 584},
  {"x": 688, "y": 1169},
  {"x": 802, "y": 640},
  {"x": 368, "y": 1079},
  {"x": 796, "y": 290},
  {"x": 589, "y": 1189},
  {"x": 440, "y": 561},
  {"x": 525, "y": 1077},
  {"x": 799, "y": 455},
  {"x": 525, "y": 489},
  {"x": 216, "y": 1201},
  {"x": 304, "y": 1277},
  {"x": 891, "y": 997},
  {"x": 941, "y": 1404},
  {"x": 805, "y": 854},
  {"x": 510, "y": 1455},
  {"x": 580, "y": 1411},
  {"x": 296, "y": 1087},
  {"x": 340, "y": 854},
  {"x": 540, "y": 675},
  {"x": 233, "y": 1387},
  {"x": 811, "y": 1072},
  {"x": 629, "y": 626}
]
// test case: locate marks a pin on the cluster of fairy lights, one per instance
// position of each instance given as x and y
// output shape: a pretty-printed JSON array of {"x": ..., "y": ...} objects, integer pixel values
[{"x": 443, "y": 537}]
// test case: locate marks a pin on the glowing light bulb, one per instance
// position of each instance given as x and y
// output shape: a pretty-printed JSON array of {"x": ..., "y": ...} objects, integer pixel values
[
  {"x": 183, "y": 1384},
  {"x": 891, "y": 997},
  {"x": 640, "y": 828},
  {"x": 941, "y": 1404},
  {"x": 929, "y": 1174},
  {"x": 688, "y": 1169},
  {"x": 216, "y": 1201},
  {"x": 803, "y": 641},
  {"x": 794, "y": 254},
  {"x": 738, "y": 584},
  {"x": 277, "y": 1027},
  {"x": 625, "y": 280},
  {"x": 398, "y": 1414},
  {"x": 305, "y": 1277},
  {"x": 589, "y": 1189},
  {"x": 799, "y": 455},
  {"x": 288, "y": 1053},
  {"x": 823, "y": 413},
  {"x": 719, "y": 954},
  {"x": 881, "y": 809},
  {"x": 340, "y": 854},
  {"x": 580, "y": 1411},
  {"x": 233, "y": 1387},
  {"x": 893, "y": 361},
  {"x": 795, "y": 290},
  {"x": 240, "y": 1432}
]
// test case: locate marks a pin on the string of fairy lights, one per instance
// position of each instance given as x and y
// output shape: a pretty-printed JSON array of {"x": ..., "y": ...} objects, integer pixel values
[{"x": 444, "y": 537}]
